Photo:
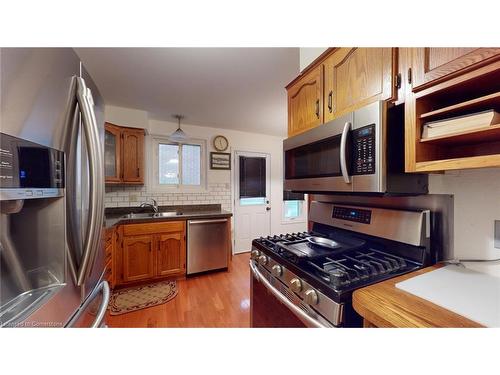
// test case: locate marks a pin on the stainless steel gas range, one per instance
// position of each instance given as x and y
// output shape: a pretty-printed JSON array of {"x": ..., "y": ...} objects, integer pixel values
[{"x": 307, "y": 279}]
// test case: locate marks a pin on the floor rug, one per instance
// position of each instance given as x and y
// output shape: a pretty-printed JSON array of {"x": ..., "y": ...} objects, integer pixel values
[{"x": 131, "y": 299}]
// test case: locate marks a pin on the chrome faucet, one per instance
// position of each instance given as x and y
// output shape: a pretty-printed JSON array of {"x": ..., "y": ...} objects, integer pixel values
[{"x": 153, "y": 206}]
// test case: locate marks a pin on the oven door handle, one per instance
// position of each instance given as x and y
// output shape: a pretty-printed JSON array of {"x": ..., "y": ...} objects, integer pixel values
[
  {"x": 296, "y": 310},
  {"x": 343, "y": 157}
]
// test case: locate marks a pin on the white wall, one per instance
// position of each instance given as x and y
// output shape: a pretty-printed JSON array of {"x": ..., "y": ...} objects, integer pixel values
[
  {"x": 217, "y": 180},
  {"x": 242, "y": 141},
  {"x": 134, "y": 118},
  {"x": 477, "y": 205},
  {"x": 309, "y": 54}
]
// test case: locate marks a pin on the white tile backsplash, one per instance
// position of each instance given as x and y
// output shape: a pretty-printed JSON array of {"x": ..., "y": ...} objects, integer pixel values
[{"x": 133, "y": 196}]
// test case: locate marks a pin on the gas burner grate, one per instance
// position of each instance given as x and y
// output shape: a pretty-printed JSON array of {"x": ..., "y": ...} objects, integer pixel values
[
  {"x": 288, "y": 237},
  {"x": 351, "y": 267}
]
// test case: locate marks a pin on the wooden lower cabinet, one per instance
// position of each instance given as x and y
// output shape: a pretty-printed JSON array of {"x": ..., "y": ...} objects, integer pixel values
[
  {"x": 368, "y": 324},
  {"x": 171, "y": 257},
  {"x": 138, "y": 258},
  {"x": 109, "y": 251},
  {"x": 150, "y": 251}
]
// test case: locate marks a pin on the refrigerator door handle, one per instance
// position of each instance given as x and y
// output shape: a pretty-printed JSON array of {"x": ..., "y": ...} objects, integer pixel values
[
  {"x": 90, "y": 130},
  {"x": 74, "y": 247},
  {"x": 97, "y": 323}
]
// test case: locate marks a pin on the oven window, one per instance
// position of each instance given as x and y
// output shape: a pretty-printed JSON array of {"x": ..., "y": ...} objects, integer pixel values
[{"x": 319, "y": 159}]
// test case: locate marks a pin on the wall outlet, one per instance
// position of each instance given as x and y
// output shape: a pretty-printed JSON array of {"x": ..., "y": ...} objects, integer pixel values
[
  {"x": 497, "y": 234},
  {"x": 133, "y": 197}
]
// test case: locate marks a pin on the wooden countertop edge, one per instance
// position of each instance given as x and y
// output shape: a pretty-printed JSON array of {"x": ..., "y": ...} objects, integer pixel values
[{"x": 386, "y": 306}]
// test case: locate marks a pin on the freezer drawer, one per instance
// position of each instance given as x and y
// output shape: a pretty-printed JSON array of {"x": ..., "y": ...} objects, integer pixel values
[{"x": 207, "y": 245}]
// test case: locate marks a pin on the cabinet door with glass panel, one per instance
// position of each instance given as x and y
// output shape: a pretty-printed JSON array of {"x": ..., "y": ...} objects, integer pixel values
[
  {"x": 179, "y": 165},
  {"x": 112, "y": 153},
  {"x": 123, "y": 155}
]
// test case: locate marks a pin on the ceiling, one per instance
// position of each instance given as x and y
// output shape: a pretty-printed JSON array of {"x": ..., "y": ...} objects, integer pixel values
[{"x": 233, "y": 88}]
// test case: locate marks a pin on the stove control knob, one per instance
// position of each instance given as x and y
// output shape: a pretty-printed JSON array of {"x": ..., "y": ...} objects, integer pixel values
[
  {"x": 255, "y": 254},
  {"x": 311, "y": 297},
  {"x": 296, "y": 285},
  {"x": 263, "y": 260},
  {"x": 277, "y": 270}
]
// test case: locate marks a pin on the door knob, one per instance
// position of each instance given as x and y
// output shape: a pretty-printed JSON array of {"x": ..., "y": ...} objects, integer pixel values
[{"x": 268, "y": 208}]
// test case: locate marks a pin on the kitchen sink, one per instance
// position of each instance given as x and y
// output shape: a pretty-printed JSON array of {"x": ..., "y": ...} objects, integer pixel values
[{"x": 151, "y": 215}]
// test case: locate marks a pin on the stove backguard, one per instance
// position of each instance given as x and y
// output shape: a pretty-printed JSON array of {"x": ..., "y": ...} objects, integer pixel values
[{"x": 441, "y": 207}]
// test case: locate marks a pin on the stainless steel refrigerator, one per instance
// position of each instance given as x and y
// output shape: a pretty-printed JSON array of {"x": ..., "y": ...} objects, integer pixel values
[{"x": 49, "y": 99}]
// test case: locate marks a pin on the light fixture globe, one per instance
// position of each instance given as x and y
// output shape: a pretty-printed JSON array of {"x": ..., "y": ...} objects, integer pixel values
[{"x": 178, "y": 135}]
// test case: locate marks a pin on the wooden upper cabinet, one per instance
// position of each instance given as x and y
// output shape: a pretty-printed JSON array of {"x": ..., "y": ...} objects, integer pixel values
[
  {"x": 138, "y": 258},
  {"x": 123, "y": 155},
  {"x": 433, "y": 65},
  {"x": 171, "y": 254},
  {"x": 133, "y": 155},
  {"x": 305, "y": 102},
  {"x": 401, "y": 83},
  {"x": 112, "y": 153},
  {"x": 355, "y": 77}
]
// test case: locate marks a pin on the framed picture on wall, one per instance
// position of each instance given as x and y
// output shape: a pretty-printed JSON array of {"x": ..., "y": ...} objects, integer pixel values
[{"x": 220, "y": 160}]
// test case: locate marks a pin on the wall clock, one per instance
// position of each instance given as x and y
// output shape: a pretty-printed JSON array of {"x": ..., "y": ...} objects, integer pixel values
[{"x": 220, "y": 143}]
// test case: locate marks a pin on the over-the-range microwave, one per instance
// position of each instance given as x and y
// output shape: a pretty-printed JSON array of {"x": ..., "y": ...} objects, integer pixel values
[{"x": 360, "y": 152}]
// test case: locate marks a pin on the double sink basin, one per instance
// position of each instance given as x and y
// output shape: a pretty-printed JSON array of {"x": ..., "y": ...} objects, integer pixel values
[{"x": 151, "y": 215}]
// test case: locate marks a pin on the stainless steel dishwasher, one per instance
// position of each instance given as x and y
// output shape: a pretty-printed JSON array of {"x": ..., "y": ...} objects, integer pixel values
[{"x": 207, "y": 245}]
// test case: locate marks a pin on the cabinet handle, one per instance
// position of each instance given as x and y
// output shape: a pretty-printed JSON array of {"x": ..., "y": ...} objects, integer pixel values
[
  {"x": 397, "y": 81},
  {"x": 409, "y": 76},
  {"x": 137, "y": 172},
  {"x": 317, "y": 108},
  {"x": 330, "y": 101}
]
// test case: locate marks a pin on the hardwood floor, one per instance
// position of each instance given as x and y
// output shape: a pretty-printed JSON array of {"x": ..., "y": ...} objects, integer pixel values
[{"x": 219, "y": 299}]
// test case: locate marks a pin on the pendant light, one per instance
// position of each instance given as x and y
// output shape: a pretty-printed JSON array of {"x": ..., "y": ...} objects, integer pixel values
[{"x": 178, "y": 135}]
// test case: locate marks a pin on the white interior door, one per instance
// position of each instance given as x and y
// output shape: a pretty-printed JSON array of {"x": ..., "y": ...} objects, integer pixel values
[{"x": 252, "y": 215}]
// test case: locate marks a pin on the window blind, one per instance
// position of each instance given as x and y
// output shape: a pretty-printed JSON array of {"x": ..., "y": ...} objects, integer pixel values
[{"x": 252, "y": 177}]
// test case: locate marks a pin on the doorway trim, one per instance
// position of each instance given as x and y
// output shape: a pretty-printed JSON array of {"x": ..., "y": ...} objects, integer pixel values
[{"x": 235, "y": 182}]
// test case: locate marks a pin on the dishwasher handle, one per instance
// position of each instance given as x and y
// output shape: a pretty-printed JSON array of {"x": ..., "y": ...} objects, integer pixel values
[{"x": 211, "y": 221}]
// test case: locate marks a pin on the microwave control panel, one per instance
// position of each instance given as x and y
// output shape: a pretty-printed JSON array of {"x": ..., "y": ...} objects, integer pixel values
[
  {"x": 363, "y": 150},
  {"x": 352, "y": 214}
]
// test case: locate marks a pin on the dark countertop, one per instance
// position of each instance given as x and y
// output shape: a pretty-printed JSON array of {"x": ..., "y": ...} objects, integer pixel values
[{"x": 115, "y": 216}]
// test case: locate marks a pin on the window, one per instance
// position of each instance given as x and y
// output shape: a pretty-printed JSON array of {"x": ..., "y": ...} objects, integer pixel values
[
  {"x": 252, "y": 180},
  {"x": 293, "y": 207},
  {"x": 179, "y": 165}
]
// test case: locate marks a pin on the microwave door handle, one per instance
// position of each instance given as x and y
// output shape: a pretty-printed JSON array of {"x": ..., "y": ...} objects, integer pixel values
[
  {"x": 296, "y": 310},
  {"x": 343, "y": 150},
  {"x": 96, "y": 182}
]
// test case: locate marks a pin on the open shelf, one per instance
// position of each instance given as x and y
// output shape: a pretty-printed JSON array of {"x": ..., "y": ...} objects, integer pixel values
[
  {"x": 488, "y": 133},
  {"x": 473, "y": 148},
  {"x": 458, "y": 163},
  {"x": 491, "y": 101}
]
